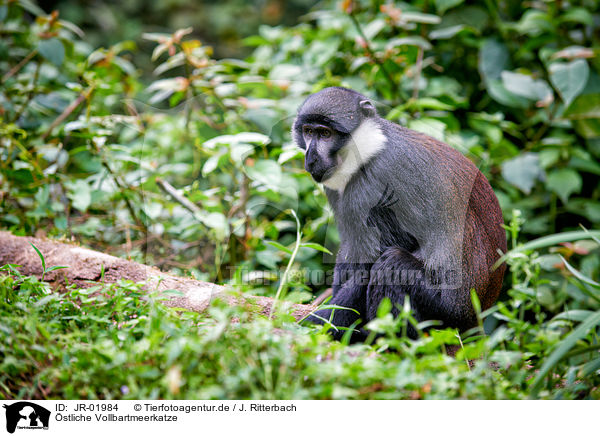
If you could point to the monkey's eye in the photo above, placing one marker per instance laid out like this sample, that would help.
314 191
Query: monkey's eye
324 133
308 131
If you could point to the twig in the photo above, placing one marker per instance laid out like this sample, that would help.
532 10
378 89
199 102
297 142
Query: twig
372 53
457 334
417 77
130 207
322 297
542 130
244 193
169 189
30 93
14 70
68 110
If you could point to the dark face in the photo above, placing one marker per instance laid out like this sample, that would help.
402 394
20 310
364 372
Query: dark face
322 143
324 125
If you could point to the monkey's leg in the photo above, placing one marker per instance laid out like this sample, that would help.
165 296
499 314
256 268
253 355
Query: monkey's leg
387 281
349 293
398 273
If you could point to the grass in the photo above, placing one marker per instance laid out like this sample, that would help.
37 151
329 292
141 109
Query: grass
116 341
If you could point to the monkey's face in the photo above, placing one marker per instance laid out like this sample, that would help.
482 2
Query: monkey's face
339 130
322 144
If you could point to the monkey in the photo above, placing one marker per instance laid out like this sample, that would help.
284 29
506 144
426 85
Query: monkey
415 217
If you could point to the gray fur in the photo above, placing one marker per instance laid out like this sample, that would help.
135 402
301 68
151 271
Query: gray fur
403 202
431 205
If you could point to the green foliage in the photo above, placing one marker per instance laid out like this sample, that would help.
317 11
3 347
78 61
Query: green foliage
77 345
194 171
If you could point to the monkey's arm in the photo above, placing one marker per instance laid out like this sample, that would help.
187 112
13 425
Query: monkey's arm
349 295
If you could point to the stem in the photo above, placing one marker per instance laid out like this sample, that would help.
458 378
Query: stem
463 347
415 93
553 212
14 70
283 281
30 93
190 97
169 189
372 55
68 110
128 203
542 130
492 8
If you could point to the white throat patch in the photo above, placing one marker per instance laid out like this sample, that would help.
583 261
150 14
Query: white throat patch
365 142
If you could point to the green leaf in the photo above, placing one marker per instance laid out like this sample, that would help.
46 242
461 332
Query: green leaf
289 154
564 346
72 27
522 171
535 22
569 79
240 151
573 315
286 72
316 246
279 246
53 268
564 182
211 164
408 40
372 29
475 302
549 241
580 276
469 16
443 5
268 258
216 221
446 32
584 106
80 194
592 211
126 66
525 86
590 367
429 126
549 157
171 62
267 172
502 95
3 12
41 256
587 164
243 137
588 128
493 59
578 15
430 103
30 6
419 17
52 50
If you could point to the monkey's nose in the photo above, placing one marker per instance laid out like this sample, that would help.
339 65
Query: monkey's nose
315 169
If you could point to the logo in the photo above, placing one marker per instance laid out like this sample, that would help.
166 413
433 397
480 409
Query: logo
26 415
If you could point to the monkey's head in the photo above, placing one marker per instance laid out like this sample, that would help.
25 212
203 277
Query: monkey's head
327 123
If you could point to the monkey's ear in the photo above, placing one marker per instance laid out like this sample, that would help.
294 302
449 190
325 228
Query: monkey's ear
367 108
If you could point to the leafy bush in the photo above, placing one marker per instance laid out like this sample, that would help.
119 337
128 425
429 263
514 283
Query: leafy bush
77 344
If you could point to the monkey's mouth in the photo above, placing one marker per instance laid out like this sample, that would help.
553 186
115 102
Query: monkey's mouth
322 176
